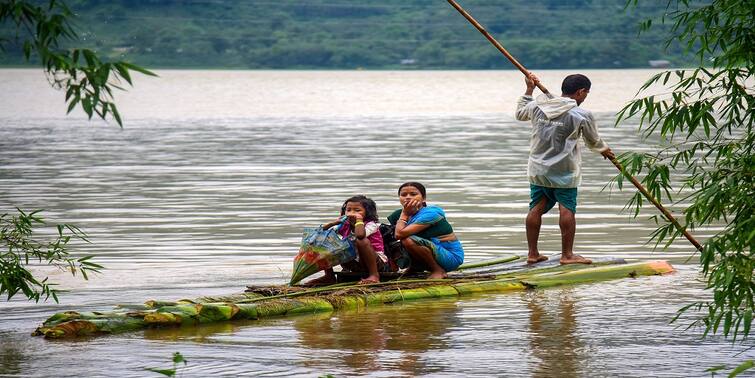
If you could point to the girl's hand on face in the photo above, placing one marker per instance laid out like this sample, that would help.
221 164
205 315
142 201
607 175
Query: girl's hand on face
354 211
356 217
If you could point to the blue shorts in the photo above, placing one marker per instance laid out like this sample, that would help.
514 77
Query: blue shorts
567 197
449 255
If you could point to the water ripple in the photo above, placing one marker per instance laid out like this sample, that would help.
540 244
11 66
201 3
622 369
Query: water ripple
205 206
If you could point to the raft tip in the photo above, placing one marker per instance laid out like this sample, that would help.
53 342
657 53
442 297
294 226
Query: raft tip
661 266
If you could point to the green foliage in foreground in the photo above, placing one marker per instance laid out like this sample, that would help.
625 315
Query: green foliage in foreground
747 365
349 34
87 80
19 247
705 123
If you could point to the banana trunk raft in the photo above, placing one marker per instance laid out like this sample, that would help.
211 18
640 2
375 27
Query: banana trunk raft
266 302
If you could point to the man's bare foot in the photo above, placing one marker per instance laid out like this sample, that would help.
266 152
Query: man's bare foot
574 259
369 280
535 260
322 281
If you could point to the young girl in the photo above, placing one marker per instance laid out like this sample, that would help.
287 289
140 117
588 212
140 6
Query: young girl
361 225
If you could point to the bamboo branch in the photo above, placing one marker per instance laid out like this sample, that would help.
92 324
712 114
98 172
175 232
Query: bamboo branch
658 205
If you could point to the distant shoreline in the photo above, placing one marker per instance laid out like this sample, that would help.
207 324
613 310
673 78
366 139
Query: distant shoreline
395 69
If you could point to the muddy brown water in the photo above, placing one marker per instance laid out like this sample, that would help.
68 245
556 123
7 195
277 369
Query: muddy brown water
207 188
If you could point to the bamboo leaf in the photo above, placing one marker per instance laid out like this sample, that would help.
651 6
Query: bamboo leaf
123 71
747 365
136 68
116 115
178 358
727 322
86 104
716 368
747 318
72 104
165 372
90 57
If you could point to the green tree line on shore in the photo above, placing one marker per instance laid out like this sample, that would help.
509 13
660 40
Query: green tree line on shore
353 34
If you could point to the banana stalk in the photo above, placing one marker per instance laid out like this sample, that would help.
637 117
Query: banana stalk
253 306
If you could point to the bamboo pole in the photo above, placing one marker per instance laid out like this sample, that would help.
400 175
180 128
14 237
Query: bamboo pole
495 43
615 162
657 204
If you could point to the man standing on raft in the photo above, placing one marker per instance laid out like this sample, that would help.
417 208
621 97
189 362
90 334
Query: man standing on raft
554 163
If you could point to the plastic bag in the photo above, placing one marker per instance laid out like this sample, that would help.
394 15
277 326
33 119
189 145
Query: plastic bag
321 249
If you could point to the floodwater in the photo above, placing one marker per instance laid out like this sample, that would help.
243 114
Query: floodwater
208 185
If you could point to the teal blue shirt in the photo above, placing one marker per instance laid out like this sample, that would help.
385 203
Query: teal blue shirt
431 215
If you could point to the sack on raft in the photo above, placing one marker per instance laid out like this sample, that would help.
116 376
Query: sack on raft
321 249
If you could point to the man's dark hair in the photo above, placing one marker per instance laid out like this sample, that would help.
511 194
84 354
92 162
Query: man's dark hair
573 83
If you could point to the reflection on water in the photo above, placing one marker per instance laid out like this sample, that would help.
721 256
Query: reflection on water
362 336
199 333
11 358
552 330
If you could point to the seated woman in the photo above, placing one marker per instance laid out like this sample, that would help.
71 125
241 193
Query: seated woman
425 233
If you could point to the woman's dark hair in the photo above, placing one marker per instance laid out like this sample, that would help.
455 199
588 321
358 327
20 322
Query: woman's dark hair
415 184
370 208
573 83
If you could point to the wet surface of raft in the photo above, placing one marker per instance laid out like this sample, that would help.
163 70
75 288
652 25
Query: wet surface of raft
271 301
